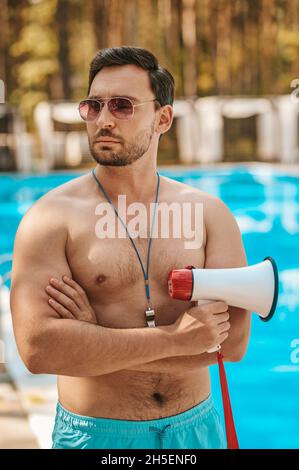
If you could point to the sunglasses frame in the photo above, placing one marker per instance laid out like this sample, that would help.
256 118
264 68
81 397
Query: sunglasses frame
102 102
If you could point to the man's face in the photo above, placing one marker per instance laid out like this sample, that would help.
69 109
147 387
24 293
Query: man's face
134 135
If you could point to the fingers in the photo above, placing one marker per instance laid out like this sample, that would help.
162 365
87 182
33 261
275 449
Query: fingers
74 285
222 337
224 326
62 311
215 308
67 290
222 317
63 299
218 307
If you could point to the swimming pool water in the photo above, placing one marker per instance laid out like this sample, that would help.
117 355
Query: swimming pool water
264 386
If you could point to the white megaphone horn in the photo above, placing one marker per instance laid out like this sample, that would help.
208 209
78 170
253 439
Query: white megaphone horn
252 288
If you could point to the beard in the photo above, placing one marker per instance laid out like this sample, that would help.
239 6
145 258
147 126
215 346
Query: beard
127 154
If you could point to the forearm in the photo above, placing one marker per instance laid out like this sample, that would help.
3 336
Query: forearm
178 364
232 349
81 349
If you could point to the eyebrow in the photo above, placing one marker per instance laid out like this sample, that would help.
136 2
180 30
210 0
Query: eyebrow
94 97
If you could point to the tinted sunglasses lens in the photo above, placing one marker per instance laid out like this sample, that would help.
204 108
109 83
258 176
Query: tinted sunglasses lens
89 110
121 108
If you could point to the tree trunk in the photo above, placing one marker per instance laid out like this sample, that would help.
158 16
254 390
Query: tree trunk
62 16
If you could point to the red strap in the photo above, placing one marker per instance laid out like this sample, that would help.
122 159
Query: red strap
231 435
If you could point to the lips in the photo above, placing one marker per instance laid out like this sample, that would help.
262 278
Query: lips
108 141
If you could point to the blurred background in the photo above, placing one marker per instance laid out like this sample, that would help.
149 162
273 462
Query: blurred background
235 134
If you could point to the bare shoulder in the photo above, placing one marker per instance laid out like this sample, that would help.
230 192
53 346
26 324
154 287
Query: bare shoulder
49 213
64 195
73 189
215 212
187 192
223 238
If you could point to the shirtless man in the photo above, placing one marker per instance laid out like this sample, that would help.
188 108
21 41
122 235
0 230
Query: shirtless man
122 384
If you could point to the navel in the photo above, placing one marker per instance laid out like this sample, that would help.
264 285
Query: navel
160 399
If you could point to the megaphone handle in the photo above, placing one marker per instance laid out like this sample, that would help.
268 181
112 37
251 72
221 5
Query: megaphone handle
217 347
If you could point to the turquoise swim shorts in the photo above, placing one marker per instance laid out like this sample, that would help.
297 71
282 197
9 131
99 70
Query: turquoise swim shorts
197 428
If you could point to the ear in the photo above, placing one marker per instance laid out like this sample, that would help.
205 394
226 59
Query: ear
164 119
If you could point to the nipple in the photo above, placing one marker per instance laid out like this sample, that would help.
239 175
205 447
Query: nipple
101 278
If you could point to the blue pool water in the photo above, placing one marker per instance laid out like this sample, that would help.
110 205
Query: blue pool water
264 387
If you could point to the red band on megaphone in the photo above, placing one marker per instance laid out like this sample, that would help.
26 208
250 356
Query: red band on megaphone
180 283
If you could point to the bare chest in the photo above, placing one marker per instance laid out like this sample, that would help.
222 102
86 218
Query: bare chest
109 270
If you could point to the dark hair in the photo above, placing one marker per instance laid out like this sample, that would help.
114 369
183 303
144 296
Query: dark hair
161 81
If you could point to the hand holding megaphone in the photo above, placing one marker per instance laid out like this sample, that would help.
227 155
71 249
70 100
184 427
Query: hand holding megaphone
253 288
218 346
201 327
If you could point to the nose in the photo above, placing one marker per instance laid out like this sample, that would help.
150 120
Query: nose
105 118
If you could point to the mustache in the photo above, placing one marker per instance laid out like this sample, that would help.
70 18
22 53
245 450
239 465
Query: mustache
106 133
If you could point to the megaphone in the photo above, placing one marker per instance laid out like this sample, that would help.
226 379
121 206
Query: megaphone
253 288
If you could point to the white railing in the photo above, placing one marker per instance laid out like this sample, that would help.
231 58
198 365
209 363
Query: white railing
199 128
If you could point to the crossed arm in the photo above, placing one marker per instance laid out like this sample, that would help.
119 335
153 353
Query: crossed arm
50 343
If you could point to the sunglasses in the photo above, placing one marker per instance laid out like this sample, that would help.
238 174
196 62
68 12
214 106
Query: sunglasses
120 107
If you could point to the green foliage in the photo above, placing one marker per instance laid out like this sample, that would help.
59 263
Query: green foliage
33 53
210 46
